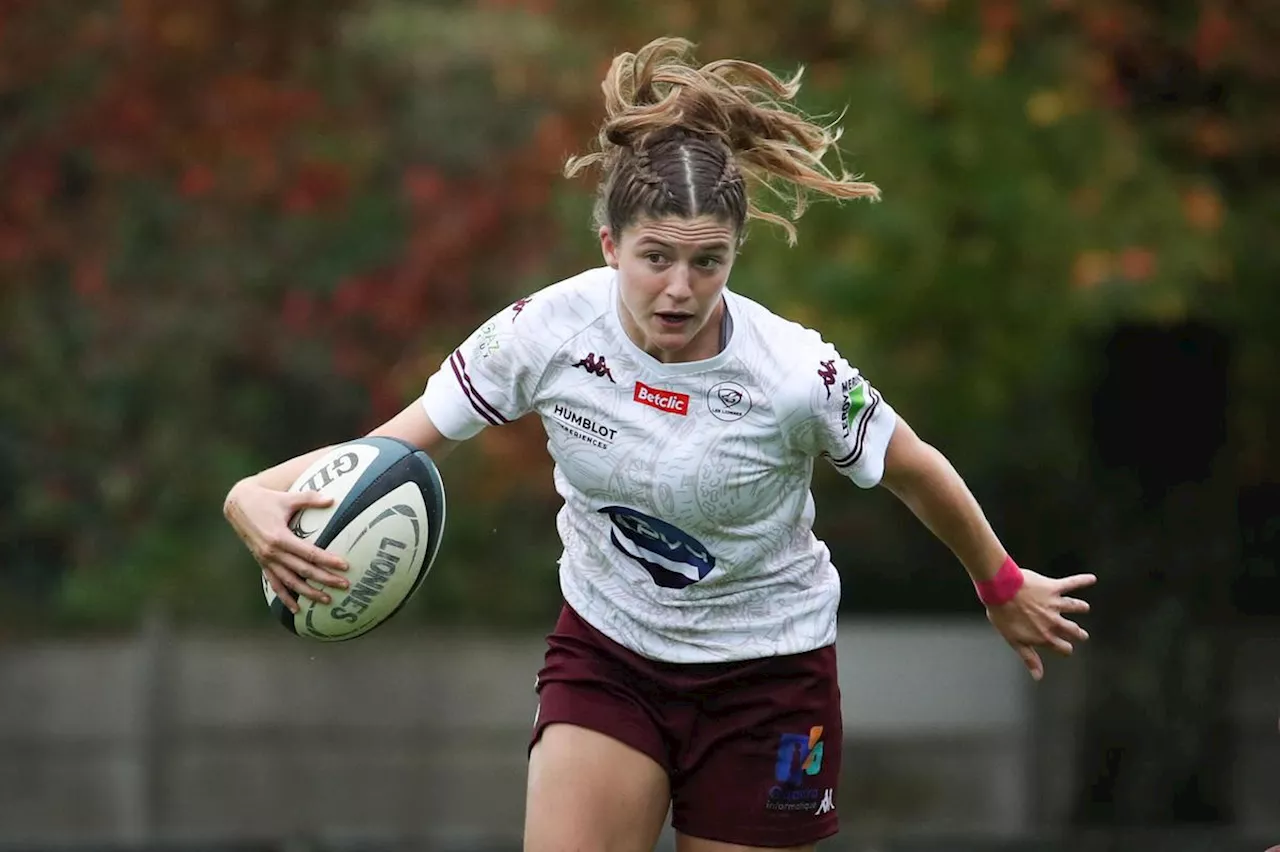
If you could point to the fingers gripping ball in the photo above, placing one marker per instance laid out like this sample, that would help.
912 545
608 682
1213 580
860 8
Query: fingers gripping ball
386 521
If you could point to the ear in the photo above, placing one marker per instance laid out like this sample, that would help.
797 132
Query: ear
608 247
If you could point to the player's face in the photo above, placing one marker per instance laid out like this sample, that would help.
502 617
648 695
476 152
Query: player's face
671 273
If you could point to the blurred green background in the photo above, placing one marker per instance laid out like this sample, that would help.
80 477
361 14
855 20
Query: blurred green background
234 231
231 232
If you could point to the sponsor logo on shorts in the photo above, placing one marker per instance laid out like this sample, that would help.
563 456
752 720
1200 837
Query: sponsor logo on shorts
728 401
799 758
668 402
584 428
799 755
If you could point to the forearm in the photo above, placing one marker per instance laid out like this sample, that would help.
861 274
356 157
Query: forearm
934 491
277 478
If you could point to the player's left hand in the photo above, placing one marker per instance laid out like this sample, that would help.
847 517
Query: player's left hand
1036 617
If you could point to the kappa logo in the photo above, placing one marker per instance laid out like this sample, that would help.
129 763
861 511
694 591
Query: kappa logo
666 401
827 372
596 366
828 802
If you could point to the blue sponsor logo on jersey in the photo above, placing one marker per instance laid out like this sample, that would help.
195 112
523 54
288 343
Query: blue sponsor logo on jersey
672 557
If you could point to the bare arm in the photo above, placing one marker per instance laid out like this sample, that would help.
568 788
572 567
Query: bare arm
929 485
924 480
259 507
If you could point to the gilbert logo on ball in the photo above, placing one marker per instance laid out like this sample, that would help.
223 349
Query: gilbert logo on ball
386 520
324 478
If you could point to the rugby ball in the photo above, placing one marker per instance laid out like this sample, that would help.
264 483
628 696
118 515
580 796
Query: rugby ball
386 521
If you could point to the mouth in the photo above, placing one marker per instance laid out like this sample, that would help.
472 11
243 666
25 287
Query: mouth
673 319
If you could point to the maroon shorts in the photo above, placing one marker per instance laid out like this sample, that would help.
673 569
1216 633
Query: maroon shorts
752 748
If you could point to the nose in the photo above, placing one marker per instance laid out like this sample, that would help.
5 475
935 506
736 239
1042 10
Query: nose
678 287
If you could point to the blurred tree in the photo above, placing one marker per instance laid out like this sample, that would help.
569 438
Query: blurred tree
1199 79
1161 532
1022 213
223 231
233 232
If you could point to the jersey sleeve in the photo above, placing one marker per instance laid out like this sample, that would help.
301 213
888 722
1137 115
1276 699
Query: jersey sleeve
843 418
491 378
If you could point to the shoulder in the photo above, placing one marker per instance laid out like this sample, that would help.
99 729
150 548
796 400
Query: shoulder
567 305
546 319
793 352
802 371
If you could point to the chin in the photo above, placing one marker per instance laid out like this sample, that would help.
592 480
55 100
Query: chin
670 341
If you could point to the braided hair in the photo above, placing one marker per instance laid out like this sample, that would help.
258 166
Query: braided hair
683 140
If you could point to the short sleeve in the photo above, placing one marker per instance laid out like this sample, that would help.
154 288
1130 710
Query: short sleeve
491 378
843 418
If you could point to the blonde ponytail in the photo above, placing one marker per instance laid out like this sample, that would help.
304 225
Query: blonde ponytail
679 139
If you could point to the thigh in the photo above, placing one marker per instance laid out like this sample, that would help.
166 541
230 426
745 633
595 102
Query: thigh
761 767
589 792
685 843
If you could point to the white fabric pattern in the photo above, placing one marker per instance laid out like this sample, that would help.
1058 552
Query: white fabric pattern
687 523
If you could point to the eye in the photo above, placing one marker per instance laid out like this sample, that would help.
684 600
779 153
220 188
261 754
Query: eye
656 258
709 263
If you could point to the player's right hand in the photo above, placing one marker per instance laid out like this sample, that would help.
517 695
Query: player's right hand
260 516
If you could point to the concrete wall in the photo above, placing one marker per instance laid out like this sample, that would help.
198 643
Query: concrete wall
407 734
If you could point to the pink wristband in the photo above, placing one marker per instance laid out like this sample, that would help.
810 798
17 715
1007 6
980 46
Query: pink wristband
1001 588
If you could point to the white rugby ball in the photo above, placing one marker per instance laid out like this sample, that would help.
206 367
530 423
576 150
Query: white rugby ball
386 521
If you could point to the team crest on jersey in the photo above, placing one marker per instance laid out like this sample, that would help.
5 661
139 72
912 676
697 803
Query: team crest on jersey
729 401
673 558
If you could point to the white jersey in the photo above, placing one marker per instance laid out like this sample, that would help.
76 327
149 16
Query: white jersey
687 518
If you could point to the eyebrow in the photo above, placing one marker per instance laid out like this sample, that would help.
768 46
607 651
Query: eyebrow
719 245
